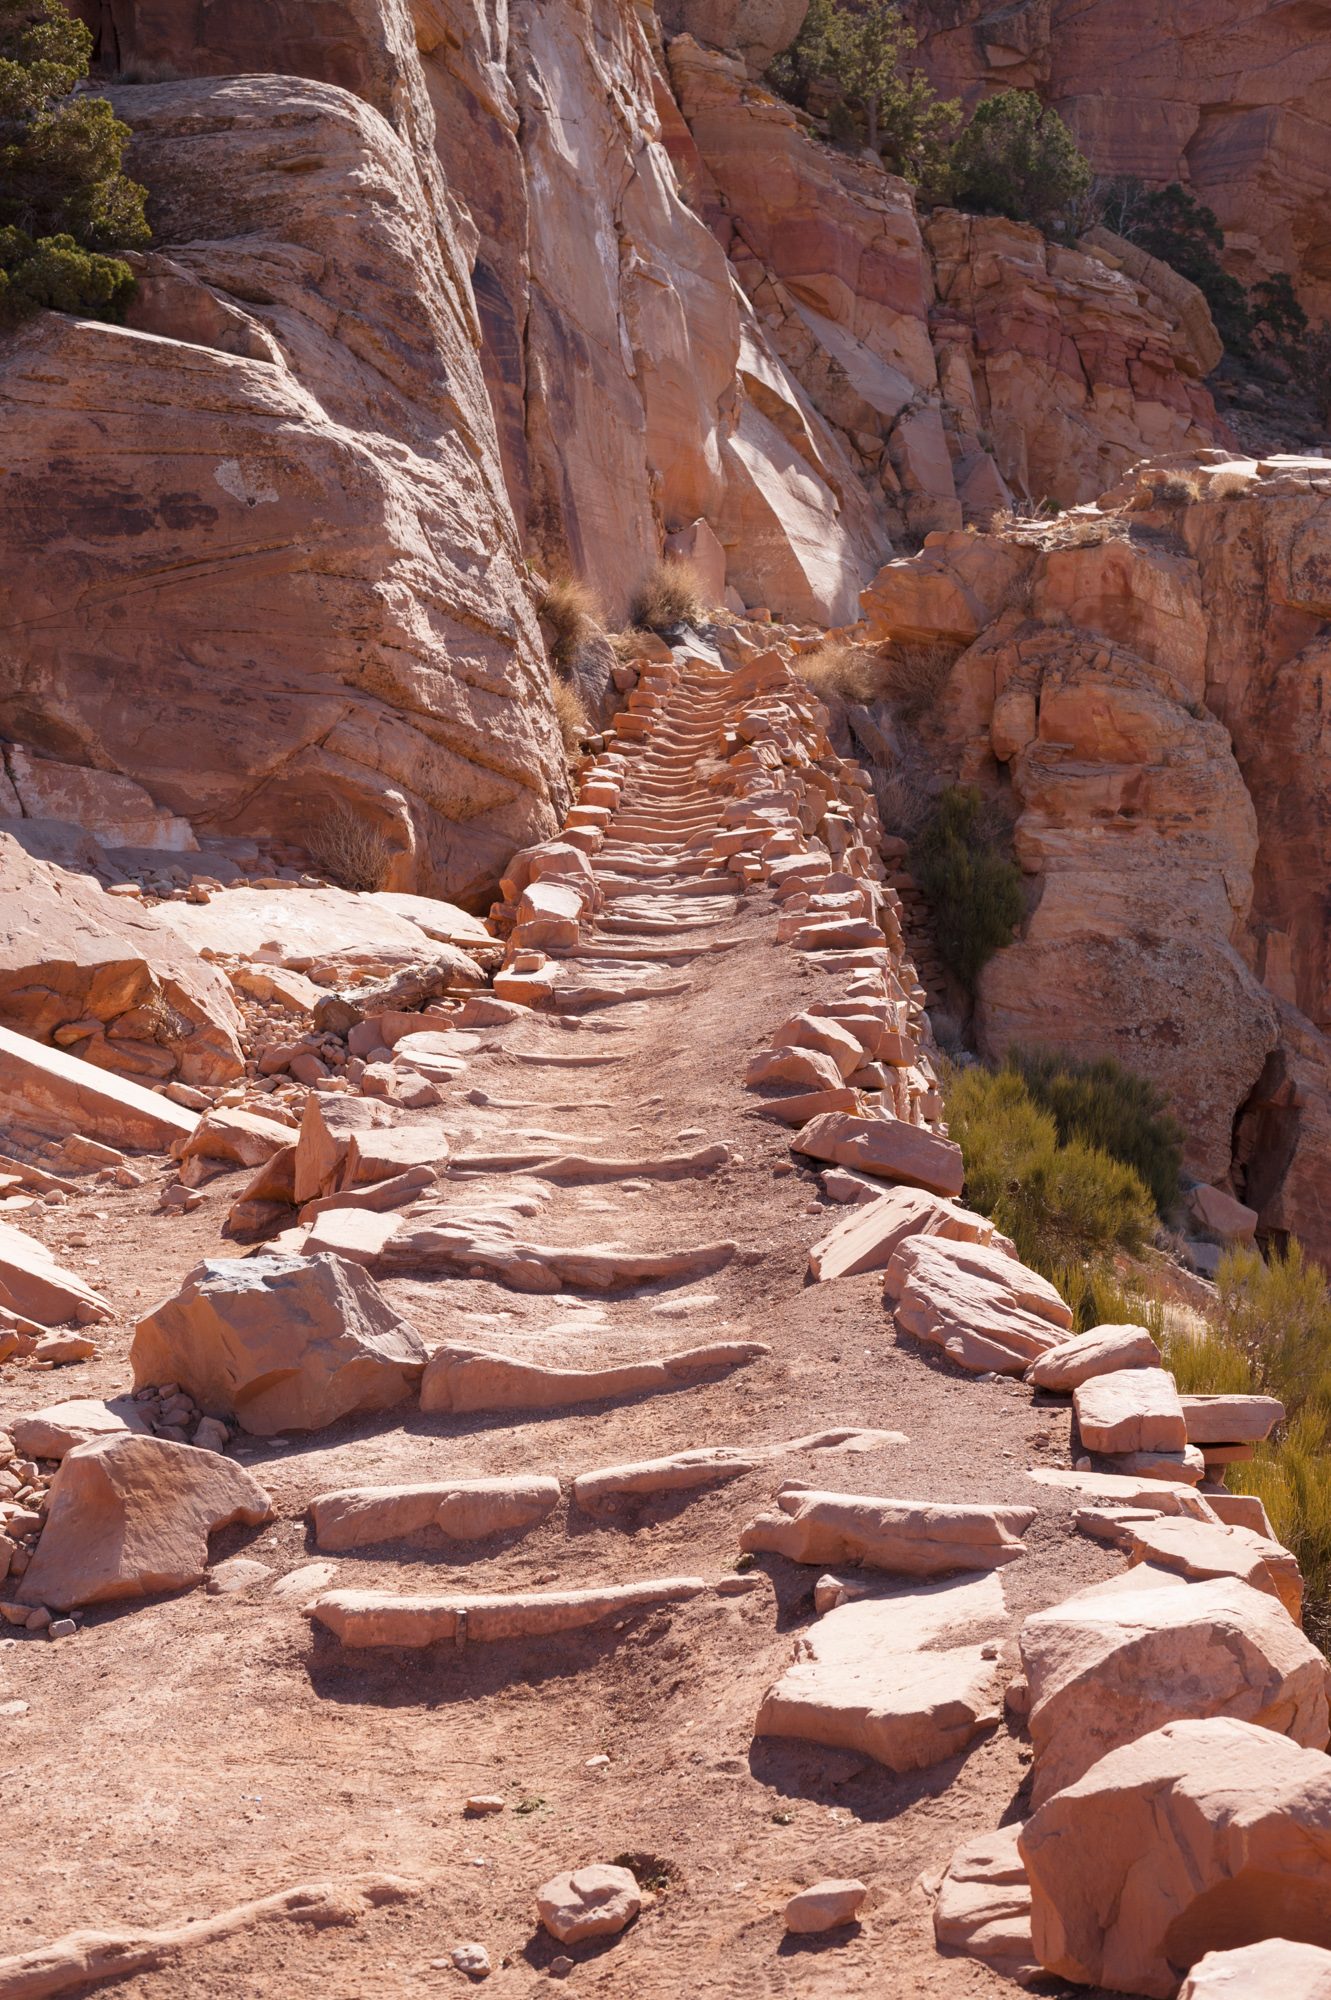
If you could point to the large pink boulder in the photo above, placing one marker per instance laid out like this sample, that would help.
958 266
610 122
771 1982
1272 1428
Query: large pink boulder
1199 1837
280 1343
132 1515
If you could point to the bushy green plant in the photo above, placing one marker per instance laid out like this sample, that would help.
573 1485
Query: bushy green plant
1108 1107
1018 158
1060 1204
861 52
1279 323
972 887
1171 224
64 201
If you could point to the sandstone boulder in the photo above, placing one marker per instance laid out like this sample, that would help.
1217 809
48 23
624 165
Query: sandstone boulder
884 1146
1104 1350
1276 1969
912 1537
1105 1669
1221 1216
280 1343
131 1515
872 1233
1130 1410
466 1378
983 1905
1204 1549
824 1907
985 1309
1236 1823
1230 1419
592 1902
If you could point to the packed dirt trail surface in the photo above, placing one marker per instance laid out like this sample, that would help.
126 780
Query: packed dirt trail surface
190 1754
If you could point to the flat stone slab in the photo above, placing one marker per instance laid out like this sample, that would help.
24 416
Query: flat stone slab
384 1618
605 1491
36 1287
462 1379
57 1093
868 1238
298 927
887 1147
463 1509
1200 1549
906 1679
1120 1489
1103 1351
1132 1410
1231 1419
52 1432
912 1537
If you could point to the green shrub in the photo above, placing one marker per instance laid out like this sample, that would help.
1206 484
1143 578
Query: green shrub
63 200
1174 226
972 888
1108 1107
861 53
1279 323
1292 1479
1060 1204
1018 158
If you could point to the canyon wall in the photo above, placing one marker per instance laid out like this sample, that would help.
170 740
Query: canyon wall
1231 99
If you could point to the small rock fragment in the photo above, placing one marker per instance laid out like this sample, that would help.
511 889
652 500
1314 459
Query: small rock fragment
824 1907
597 1901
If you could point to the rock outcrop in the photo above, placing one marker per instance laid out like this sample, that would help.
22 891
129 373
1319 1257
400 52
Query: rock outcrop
1144 682
1238 111
307 593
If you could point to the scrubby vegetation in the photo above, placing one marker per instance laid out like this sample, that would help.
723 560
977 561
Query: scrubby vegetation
914 675
856 59
1270 1335
668 596
851 673
1018 158
64 201
1110 1108
568 610
971 885
349 849
1061 1202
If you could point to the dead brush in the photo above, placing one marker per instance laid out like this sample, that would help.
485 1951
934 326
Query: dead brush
349 850
568 610
915 673
1168 489
573 719
669 595
903 795
839 669
1231 485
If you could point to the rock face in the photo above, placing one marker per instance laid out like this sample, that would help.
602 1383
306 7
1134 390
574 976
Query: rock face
1239 114
1148 679
106 979
322 568
1237 1824
961 361
131 1515
1273 1970
280 1342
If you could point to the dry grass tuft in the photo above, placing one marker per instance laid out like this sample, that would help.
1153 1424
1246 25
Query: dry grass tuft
903 797
668 595
573 719
568 609
916 673
851 673
1230 485
349 850
1169 489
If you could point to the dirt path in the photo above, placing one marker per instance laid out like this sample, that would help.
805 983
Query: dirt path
182 1756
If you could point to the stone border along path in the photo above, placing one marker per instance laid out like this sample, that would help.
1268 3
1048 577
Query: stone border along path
718 776
723 772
